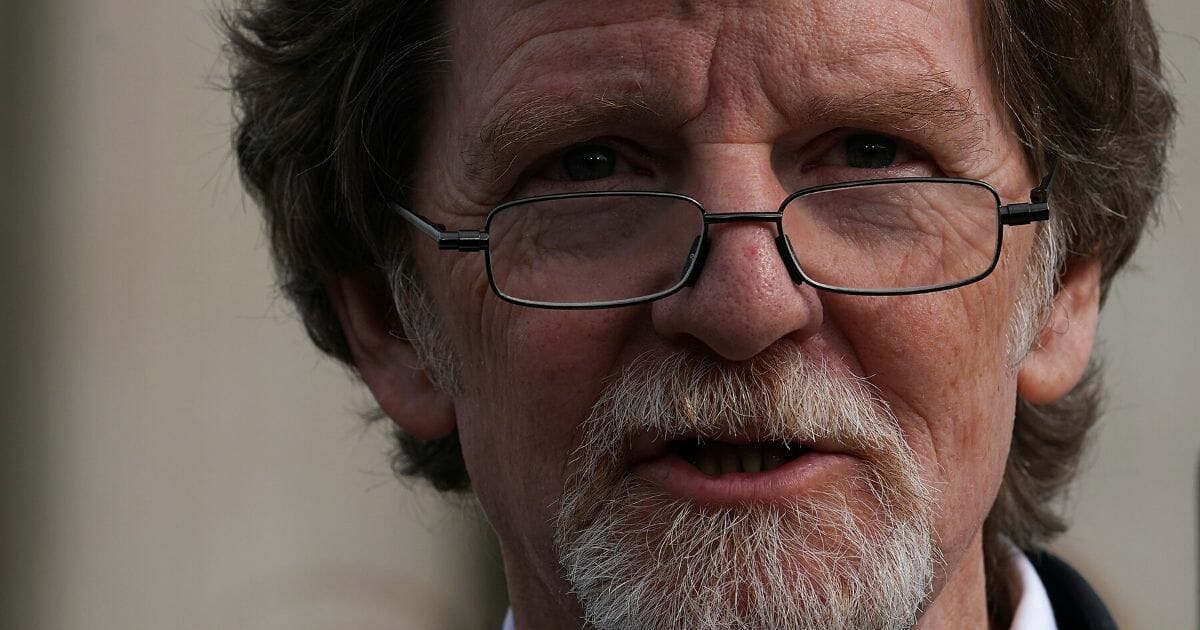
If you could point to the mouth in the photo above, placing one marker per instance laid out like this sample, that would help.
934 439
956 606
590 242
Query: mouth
716 457
730 470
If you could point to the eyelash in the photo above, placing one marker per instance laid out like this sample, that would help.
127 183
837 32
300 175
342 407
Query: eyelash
828 162
812 163
630 160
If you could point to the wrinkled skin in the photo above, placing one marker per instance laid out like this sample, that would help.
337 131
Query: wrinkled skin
734 104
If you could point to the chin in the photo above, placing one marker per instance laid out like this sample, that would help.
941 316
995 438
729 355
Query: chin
645 559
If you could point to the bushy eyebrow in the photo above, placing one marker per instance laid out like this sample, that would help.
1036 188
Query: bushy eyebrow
539 118
928 104
924 103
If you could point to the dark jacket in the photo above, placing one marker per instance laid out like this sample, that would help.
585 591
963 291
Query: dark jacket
1076 606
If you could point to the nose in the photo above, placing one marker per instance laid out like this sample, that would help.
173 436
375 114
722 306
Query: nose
744 300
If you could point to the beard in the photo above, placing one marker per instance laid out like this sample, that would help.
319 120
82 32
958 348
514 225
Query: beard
858 553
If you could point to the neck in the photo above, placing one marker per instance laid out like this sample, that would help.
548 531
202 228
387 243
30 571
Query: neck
961 601
538 602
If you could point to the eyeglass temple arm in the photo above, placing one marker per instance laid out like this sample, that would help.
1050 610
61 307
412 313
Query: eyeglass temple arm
1038 208
463 241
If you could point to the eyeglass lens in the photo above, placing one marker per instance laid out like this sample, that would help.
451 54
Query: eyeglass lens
592 249
894 236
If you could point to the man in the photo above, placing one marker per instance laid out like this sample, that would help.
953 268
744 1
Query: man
732 315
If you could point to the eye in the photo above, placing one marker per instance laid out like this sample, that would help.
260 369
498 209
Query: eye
607 163
869 151
589 162
853 154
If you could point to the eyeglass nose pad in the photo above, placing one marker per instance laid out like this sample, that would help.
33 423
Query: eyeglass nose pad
789 258
695 260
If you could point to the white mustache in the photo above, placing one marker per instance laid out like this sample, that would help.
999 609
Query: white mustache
780 396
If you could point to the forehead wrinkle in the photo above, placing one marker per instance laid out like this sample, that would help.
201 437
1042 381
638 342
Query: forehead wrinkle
539 117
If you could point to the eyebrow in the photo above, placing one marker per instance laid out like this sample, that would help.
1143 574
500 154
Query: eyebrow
924 105
539 119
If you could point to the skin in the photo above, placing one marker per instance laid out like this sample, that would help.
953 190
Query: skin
724 113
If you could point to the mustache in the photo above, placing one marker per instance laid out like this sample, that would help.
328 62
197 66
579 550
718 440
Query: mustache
781 395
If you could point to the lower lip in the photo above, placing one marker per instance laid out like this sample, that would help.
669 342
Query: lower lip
799 476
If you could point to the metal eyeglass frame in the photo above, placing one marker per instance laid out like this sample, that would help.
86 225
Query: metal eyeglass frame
1037 209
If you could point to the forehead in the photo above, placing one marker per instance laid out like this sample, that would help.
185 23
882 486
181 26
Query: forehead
780 46
710 72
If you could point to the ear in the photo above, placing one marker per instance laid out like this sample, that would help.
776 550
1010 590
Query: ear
1064 345
386 361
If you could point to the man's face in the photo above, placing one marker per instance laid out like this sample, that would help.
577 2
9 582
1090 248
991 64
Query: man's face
736 105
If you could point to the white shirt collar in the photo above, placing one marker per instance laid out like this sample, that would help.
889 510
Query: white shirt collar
1033 611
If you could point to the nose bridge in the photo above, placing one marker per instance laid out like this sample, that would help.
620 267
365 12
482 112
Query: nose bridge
741 304
782 246
740 191
734 176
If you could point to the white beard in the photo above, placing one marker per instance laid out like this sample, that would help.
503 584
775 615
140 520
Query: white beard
856 555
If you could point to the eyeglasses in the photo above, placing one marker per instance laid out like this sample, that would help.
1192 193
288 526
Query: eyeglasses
618 248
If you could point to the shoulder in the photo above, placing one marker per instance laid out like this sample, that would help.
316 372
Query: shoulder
1075 603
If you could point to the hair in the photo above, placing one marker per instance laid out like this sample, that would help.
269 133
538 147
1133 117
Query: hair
331 97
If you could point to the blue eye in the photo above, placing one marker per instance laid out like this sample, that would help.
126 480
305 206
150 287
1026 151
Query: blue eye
870 151
589 162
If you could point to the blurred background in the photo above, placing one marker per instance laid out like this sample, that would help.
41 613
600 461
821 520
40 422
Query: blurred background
175 454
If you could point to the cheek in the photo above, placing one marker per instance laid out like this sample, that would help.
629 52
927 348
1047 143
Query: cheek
940 360
530 379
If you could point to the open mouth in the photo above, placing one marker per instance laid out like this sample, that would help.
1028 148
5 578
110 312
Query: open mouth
734 468
715 457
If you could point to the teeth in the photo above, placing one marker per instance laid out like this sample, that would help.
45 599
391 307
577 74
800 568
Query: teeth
707 461
774 458
720 458
751 457
728 456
